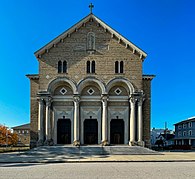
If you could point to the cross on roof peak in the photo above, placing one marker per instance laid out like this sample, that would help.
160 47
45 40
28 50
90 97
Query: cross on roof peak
91 6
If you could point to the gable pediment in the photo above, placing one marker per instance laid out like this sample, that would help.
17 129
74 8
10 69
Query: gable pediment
91 17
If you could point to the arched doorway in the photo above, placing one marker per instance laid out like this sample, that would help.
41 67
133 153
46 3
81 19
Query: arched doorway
90 131
117 131
64 131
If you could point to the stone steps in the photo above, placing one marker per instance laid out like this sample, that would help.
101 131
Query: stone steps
93 150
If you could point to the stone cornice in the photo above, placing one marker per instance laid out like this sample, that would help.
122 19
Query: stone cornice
32 76
60 39
148 77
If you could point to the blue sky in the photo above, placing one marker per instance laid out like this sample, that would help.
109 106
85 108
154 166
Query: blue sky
165 29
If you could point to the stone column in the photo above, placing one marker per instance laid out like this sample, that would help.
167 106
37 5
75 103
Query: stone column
140 122
104 120
190 142
76 141
40 122
132 121
48 122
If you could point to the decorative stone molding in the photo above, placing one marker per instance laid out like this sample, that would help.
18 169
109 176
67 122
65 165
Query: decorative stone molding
127 84
55 82
88 80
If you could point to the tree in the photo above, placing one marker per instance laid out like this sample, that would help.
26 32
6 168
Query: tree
6 137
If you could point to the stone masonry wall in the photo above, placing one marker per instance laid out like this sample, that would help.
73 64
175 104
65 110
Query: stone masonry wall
147 111
34 83
73 50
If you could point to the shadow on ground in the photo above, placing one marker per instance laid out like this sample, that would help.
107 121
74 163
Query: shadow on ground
59 154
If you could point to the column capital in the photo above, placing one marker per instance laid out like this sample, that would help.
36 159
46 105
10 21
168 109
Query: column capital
40 100
132 99
141 99
104 97
137 97
48 101
76 98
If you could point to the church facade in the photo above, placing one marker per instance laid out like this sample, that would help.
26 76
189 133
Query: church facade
90 89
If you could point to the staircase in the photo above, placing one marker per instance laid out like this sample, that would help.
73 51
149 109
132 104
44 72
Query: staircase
93 150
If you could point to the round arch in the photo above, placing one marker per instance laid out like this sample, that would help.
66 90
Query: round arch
87 81
115 81
53 84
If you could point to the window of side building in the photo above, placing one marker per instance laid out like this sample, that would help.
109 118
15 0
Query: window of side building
190 124
184 133
179 133
179 126
184 126
190 132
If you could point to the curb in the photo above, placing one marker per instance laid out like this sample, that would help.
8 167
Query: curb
97 161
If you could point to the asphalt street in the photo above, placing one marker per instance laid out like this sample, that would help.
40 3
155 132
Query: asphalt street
149 170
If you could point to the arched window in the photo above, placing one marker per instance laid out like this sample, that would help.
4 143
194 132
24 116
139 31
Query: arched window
121 67
93 67
91 41
116 67
64 67
88 66
59 67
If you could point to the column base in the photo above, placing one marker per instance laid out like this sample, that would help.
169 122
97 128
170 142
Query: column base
105 143
132 143
40 142
76 143
48 142
141 143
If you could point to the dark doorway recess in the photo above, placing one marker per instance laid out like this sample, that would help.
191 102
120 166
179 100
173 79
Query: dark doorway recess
117 131
90 131
64 131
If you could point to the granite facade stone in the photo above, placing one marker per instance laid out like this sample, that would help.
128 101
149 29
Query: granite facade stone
73 49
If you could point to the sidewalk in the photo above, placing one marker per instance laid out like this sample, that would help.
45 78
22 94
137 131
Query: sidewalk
24 157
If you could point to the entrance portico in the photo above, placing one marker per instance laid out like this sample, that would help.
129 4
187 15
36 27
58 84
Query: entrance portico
89 116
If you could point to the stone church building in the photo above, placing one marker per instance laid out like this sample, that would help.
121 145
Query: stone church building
90 89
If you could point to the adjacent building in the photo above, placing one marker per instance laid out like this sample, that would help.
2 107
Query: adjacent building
23 132
90 89
165 140
185 132
154 135
162 137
